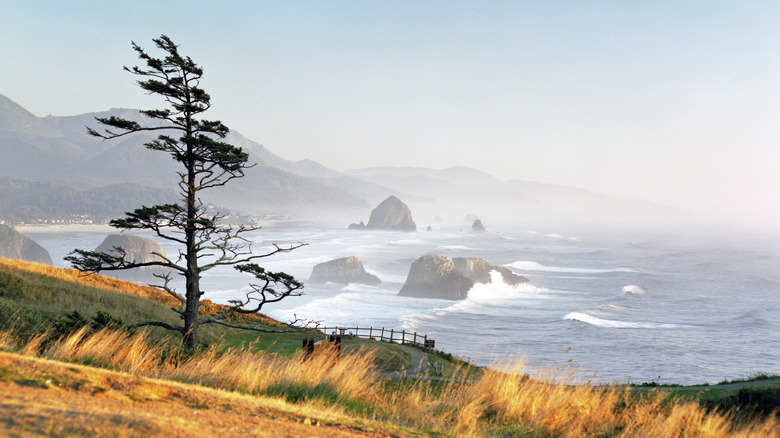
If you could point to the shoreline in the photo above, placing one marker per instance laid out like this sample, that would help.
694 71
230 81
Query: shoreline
63 228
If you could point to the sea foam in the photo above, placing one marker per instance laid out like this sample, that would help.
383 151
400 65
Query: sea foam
534 266
608 323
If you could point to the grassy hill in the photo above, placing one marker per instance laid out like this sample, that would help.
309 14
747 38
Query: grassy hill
106 381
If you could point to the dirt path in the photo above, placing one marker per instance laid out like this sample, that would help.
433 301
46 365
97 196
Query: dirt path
419 360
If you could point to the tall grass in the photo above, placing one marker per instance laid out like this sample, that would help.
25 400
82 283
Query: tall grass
493 404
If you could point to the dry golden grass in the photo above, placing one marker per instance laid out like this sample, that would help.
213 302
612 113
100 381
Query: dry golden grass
96 281
40 397
494 404
123 287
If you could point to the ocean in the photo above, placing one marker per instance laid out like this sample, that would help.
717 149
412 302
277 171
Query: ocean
673 305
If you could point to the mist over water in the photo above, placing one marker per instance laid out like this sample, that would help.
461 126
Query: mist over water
673 305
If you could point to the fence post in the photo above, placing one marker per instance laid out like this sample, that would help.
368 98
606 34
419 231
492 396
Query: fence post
403 337
391 335
382 336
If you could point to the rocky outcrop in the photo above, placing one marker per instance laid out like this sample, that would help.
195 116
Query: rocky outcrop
15 245
360 226
391 214
435 276
137 249
343 271
478 270
477 226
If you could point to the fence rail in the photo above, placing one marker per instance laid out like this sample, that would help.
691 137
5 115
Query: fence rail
381 334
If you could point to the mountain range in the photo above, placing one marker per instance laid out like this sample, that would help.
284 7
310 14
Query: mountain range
51 168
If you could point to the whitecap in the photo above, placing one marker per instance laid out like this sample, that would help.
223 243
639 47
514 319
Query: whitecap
610 307
534 266
608 323
494 296
633 289
455 247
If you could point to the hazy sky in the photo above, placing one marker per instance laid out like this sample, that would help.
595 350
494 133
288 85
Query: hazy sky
675 102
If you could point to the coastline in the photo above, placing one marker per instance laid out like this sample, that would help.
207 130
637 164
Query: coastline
64 228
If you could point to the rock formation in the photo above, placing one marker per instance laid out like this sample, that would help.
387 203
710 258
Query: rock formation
343 271
137 249
477 226
435 276
14 245
360 226
391 214
478 270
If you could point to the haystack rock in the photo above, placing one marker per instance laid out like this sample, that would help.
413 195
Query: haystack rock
477 226
343 271
478 271
435 276
15 245
391 214
137 249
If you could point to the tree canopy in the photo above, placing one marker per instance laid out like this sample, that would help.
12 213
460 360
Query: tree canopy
205 162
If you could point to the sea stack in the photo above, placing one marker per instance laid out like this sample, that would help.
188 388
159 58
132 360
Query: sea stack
137 249
391 214
435 276
345 270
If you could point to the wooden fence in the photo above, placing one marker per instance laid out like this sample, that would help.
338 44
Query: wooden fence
381 334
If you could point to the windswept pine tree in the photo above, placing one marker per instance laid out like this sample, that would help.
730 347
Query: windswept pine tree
205 162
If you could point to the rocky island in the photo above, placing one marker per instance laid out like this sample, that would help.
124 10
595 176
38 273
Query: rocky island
137 249
435 276
390 214
345 270
438 276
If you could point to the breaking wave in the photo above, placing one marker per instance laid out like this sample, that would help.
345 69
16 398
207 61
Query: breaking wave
534 266
633 289
608 323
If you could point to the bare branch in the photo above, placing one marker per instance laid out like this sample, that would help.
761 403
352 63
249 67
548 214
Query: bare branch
211 320
158 324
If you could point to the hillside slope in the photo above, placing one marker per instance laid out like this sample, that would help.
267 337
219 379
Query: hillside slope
40 397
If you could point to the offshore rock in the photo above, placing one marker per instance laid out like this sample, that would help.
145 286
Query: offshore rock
15 245
360 226
477 226
345 270
478 270
391 214
137 249
435 276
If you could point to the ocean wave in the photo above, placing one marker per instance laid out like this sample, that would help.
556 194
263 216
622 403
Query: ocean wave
455 247
494 296
633 289
610 307
352 308
534 266
559 236
608 323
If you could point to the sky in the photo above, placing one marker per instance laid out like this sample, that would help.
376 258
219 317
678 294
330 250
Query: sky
676 102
